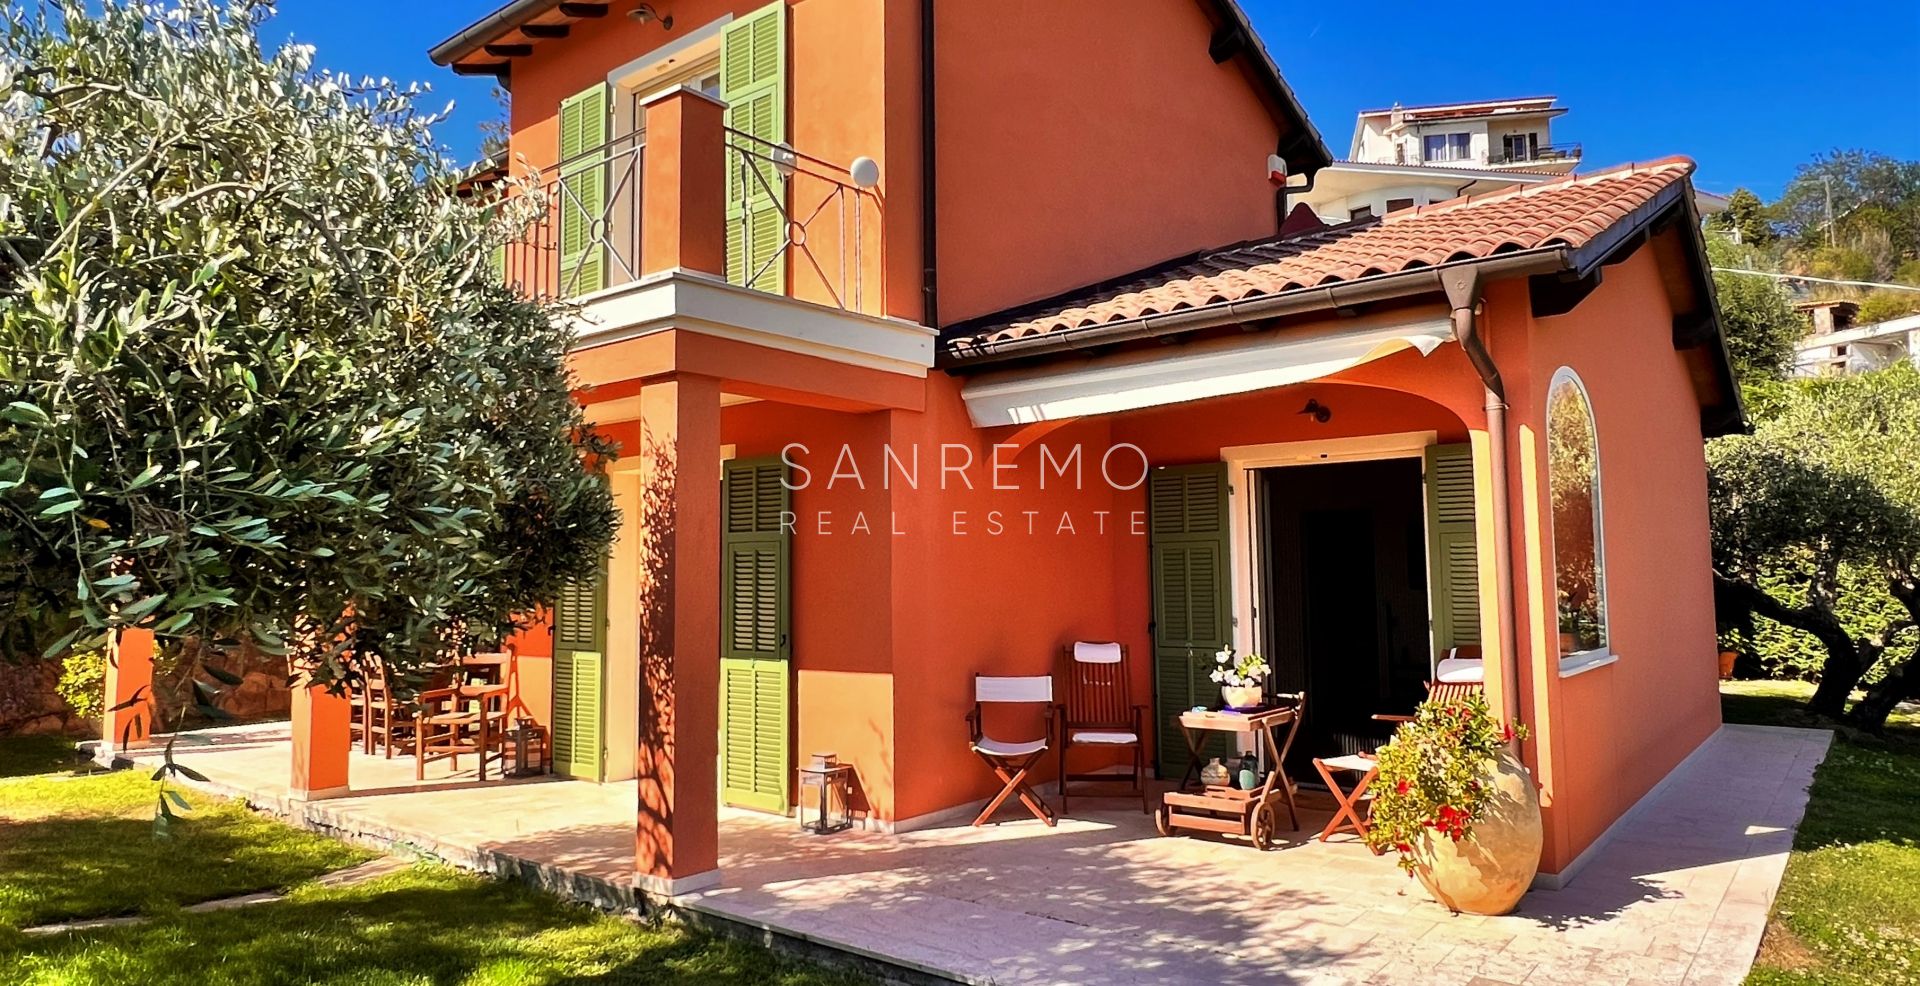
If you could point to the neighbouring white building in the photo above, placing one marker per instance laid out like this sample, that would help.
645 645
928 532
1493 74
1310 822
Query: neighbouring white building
1407 156
1495 133
1836 345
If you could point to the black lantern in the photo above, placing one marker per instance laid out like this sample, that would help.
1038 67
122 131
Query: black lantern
826 785
529 742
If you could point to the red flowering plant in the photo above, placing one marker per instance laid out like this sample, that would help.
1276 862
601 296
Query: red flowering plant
1432 781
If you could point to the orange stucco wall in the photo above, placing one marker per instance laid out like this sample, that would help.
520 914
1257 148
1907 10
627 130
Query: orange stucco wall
1615 731
531 675
843 666
1066 133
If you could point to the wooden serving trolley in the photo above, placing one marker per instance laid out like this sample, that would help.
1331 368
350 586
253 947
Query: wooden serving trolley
1254 814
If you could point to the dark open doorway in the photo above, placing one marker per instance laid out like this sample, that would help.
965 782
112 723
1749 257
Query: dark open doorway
1345 616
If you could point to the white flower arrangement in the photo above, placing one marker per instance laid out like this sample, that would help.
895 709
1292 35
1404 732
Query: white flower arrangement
1245 671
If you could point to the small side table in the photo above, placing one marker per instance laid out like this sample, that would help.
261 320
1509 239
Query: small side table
1348 816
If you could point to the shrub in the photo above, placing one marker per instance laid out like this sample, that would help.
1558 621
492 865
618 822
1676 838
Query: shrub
1430 775
1885 306
83 683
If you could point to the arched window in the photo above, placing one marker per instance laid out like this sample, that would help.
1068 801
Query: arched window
1579 555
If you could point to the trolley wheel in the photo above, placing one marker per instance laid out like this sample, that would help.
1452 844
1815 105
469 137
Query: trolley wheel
1265 822
1162 823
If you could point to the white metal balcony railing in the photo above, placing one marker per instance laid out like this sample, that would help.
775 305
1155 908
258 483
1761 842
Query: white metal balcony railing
797 225
1534 154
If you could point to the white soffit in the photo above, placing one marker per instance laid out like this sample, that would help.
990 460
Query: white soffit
702 303
1215 368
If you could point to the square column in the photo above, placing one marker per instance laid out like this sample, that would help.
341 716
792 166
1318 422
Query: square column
677 830
322 741
683 221
129 723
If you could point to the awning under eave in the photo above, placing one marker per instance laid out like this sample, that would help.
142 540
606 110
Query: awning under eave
1214 368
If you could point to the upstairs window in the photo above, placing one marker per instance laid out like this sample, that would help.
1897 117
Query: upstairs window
1395 205
1573 481
1446 147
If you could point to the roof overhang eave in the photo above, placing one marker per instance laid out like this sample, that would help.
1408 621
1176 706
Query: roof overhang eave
476 35
1307 139
1324 297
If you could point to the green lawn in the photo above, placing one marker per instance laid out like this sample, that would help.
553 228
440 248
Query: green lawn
1849 906
27 755
83 847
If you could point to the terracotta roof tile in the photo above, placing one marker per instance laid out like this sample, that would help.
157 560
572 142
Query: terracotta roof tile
1571 211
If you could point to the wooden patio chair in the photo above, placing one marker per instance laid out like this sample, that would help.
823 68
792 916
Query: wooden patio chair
1011 761
457 720
1097 712
386 721
1439 691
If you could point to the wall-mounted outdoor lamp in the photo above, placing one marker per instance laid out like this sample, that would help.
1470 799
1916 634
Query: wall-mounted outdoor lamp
645 14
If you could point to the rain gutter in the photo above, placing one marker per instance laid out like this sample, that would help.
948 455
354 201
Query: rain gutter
487 28
1380 287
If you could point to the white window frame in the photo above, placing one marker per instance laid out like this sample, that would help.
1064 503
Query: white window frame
1586 660
684 61
1447 141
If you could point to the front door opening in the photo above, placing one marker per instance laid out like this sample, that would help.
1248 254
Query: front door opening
1345 608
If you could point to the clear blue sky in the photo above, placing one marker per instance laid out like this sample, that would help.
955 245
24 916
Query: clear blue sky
1749 89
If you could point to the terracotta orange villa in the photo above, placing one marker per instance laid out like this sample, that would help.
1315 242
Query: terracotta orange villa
940 336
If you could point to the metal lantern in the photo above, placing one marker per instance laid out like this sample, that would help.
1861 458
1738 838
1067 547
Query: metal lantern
529 742
826 786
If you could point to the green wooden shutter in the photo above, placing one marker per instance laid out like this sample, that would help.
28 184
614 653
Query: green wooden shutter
1192 612
753 82
755 666
1453 556
582 192
579 679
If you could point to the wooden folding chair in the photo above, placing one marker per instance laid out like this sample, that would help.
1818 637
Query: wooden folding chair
1097 712
1351 807
1011 761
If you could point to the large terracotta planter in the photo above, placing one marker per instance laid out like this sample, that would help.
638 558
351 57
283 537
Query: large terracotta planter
1488 871
1727 660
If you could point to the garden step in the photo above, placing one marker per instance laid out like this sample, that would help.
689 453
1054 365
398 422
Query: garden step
370 870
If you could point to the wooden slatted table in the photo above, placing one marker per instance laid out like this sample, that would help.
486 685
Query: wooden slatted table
1254 814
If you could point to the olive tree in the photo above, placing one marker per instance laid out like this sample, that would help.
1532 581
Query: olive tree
1816 525
258 379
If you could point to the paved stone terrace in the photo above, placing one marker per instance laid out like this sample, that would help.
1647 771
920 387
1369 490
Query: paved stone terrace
1679 895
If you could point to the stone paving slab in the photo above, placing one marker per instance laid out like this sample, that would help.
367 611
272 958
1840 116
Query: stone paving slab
1680 894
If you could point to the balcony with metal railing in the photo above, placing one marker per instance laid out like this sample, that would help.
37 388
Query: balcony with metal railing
794 224
687 223
1517 155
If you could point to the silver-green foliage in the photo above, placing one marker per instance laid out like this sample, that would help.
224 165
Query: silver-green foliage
1816 527
256 376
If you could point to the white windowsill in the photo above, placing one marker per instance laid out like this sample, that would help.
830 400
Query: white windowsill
1586 661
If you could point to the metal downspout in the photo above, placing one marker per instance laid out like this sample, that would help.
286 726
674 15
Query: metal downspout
929 227
1463 295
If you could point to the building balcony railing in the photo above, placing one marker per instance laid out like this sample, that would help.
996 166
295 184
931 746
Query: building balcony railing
791 224
1542 154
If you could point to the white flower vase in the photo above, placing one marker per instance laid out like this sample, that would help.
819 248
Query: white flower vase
1242 696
